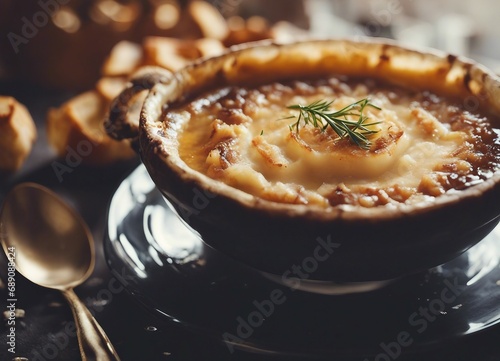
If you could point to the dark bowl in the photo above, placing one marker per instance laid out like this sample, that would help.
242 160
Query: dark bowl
336 244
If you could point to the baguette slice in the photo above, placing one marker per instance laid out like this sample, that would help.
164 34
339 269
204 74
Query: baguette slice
17 134
77 127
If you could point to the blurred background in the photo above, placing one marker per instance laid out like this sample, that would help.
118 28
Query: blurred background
63 43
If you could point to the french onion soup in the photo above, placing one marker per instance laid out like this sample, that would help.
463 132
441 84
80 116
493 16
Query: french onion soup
337 141
389 151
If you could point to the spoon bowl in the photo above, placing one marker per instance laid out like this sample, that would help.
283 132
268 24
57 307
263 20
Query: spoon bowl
50 238
55 249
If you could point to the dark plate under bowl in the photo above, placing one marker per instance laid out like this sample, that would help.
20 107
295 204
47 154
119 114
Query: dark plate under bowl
168 268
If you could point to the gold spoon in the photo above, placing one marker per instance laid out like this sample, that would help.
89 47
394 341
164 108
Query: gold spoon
55 249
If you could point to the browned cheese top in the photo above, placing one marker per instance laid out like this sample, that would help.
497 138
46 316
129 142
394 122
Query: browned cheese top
425 146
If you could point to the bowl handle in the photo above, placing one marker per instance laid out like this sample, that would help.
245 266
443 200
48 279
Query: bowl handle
120 124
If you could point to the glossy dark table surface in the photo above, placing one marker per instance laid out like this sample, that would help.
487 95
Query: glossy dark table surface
46 330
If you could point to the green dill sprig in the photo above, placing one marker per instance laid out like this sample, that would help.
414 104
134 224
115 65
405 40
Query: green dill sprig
348 122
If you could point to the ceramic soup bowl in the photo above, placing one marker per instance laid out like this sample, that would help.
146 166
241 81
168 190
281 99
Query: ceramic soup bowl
304 201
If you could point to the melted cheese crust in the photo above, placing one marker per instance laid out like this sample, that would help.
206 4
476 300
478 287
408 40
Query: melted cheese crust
425 145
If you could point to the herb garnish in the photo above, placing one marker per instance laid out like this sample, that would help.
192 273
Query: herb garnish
319 115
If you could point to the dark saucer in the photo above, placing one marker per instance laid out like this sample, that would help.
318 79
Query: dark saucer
167 268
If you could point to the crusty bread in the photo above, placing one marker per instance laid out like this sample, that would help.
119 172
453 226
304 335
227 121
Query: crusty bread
17 134
77 126
124 58
81 118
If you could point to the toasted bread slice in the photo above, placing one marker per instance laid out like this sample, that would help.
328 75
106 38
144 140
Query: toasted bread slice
209 20
77 126
18 133
110 87
125 57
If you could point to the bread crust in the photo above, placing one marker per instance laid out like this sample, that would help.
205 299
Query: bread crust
18 133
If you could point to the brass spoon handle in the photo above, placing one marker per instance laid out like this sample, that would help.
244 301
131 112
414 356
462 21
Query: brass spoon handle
93 341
